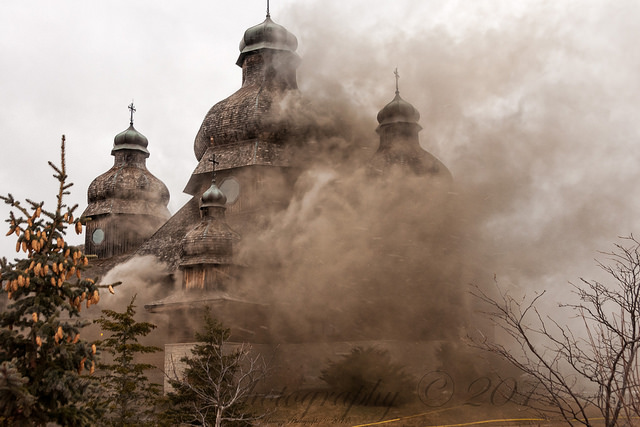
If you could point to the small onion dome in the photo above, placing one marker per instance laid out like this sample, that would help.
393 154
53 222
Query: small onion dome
398 111
213 197
130 139
267 35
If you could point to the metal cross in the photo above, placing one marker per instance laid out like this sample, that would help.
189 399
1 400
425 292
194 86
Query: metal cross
268 15
132 108
395 73
214 162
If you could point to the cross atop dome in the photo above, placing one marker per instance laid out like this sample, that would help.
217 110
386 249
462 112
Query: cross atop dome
398 110
214 162
132 108
130 139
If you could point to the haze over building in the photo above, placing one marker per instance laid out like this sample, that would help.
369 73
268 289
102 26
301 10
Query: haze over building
371 251
531 105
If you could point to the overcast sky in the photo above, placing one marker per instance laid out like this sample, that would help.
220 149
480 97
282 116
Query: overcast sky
533 104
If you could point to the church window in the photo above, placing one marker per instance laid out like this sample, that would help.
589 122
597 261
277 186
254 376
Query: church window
98 236
231 188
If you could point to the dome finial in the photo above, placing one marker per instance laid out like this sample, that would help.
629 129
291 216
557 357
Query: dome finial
268 14
132 108
213 161
397 78
130 139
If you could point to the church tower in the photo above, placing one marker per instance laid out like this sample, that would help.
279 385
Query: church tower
253 139
400 143
127 204
250 132
206 261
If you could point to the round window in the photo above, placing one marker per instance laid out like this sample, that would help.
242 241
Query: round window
98 236
231 188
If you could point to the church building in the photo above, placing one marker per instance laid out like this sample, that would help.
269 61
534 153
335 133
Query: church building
250 153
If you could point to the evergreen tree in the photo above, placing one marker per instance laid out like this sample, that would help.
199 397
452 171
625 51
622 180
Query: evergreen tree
216 381
14 397
371 376
132 397
42 355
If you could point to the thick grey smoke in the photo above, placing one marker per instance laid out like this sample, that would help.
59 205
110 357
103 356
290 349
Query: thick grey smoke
144 276
531 105
531 110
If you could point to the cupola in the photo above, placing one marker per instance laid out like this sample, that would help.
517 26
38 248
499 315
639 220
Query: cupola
269 62
267 35
399 140
207 249
398 111
130 139
127 203
213 197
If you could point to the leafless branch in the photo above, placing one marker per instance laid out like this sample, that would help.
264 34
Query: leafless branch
576 371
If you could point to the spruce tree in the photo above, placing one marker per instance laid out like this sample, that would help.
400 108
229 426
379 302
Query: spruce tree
43 358
132 398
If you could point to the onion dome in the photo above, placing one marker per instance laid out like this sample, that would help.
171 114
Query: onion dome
213 197
400 143
128 189
267 35
130 139
398 111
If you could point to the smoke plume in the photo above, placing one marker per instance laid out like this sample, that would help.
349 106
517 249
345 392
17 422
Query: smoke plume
529 110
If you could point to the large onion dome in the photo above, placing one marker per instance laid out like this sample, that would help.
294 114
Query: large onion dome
128 190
